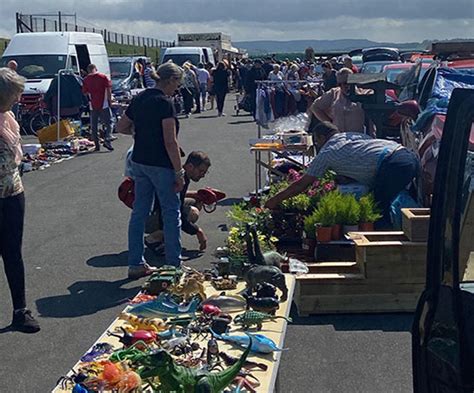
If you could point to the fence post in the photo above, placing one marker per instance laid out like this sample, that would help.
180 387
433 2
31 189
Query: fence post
65 26
128 39
59 21
44 24
76 28
122 37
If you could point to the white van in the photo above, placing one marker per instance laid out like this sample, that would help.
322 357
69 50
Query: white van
41 55
195 55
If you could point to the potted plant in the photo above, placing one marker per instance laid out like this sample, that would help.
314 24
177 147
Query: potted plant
350 212
324 215
309 234
337 201
368 213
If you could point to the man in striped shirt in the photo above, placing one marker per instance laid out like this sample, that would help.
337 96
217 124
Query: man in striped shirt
384 166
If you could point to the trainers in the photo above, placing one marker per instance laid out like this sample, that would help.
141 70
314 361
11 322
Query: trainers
139 271
108 146
24 322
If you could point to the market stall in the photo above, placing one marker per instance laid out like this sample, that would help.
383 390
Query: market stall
182 337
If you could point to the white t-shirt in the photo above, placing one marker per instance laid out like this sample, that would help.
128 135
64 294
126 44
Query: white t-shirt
275 77
202 75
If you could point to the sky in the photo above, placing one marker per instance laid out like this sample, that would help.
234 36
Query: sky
251 20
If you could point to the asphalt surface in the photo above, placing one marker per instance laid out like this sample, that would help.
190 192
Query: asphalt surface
75 251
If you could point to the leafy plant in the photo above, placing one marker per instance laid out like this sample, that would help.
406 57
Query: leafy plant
350 210
325 214
298 203
237 246
310 225
368 209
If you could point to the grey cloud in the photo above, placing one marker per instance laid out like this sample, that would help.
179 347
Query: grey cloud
265 11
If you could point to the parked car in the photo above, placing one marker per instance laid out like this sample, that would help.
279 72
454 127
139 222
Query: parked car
442 332
394 70
373 67
124 75
380 54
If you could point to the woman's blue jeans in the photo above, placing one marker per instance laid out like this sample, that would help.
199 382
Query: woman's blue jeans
151 180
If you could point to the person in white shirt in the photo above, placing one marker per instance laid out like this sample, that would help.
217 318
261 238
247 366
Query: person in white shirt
203 79
276 74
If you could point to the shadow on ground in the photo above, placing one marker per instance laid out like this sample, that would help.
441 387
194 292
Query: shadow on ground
85 298
109 260
387 322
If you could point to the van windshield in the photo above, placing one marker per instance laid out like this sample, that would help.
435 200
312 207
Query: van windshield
37 66
120 69
181 58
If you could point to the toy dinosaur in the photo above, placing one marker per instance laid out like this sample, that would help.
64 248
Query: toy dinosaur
254 251
271 274
260 343
154 324
249 318
230 360
179 379
189 288
159 306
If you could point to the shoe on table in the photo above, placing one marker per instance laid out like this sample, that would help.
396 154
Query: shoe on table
24 322
108 146
139 271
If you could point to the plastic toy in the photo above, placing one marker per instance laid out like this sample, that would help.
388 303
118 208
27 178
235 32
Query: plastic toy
162 279
260 343
181 379
188 289
97 350
269 274
154 324
263 304
159 307
230 360
249 318
227 303
128 339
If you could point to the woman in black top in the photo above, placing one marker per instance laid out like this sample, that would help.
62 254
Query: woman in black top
221 86
156 166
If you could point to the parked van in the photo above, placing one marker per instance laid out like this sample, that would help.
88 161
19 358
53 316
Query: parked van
195 55
41 55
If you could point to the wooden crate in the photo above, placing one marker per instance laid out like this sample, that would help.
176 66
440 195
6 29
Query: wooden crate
416 223
389 256
388 275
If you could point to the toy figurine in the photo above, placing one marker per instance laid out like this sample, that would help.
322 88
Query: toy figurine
159 306
227 303
230 360
189 288
249 318
254 252
270 274
263 304
179 379
260 343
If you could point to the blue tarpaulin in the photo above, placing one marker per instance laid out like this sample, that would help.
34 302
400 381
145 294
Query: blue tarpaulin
447 79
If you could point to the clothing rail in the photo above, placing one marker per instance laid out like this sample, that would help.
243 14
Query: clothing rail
258 154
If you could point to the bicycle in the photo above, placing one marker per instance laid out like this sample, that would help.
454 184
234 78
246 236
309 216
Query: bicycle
32 114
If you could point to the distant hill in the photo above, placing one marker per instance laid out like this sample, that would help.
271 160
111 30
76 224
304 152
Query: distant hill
343 45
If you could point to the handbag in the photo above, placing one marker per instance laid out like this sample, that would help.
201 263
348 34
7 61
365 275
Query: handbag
126 192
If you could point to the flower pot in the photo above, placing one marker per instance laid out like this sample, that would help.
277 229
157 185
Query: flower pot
351 228
308 246
336 232
323 234
366 226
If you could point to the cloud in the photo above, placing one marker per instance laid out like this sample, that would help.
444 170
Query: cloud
380 20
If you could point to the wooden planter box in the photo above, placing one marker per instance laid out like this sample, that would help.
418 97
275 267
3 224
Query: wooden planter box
416 223
388 275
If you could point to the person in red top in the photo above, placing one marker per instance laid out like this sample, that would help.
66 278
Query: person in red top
99 89
348 64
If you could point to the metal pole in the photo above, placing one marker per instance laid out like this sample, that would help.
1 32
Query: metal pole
59 20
